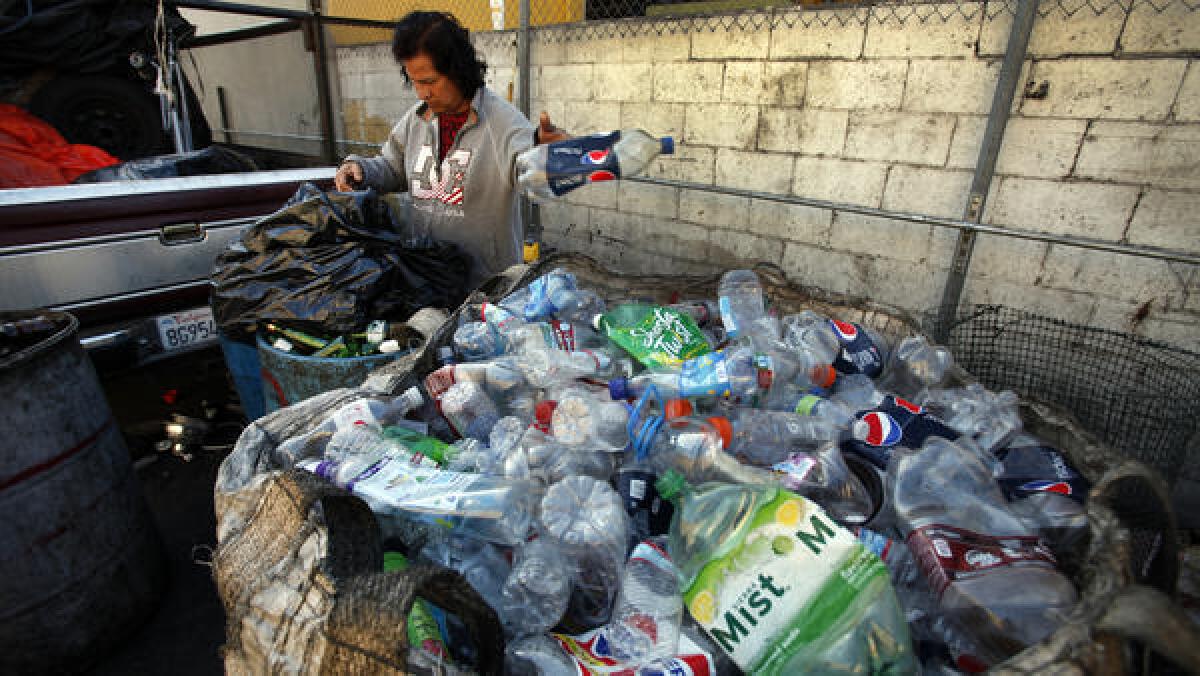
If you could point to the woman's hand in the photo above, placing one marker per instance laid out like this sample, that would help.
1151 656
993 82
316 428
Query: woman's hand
349 177
547 132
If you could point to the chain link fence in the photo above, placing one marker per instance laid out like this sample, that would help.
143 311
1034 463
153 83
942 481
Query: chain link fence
597 19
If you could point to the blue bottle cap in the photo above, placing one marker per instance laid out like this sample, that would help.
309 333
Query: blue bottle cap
668 145
618 389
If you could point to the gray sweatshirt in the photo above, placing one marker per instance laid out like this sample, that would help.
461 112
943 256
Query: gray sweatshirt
471 199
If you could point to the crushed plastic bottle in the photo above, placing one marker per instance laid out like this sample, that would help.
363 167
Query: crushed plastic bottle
779 586
916 366
990 419
535 595
740 297
589 422
550 170
996 584
649 607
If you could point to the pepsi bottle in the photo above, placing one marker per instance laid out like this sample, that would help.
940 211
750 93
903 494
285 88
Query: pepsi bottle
1029 466
894 423
864 350
554 169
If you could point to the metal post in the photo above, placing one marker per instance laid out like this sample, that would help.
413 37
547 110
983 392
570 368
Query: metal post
324 98
530 215
223 103
985 166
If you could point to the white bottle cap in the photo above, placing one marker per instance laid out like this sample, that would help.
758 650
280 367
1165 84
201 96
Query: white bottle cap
390 345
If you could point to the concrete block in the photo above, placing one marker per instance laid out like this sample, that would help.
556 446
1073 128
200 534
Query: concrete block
1167 219
1187 104
656 48
835 271
836 180
859 85
880 237
1106 89
936 192
737 249
383 85
954 86
1174 29
497 49
793 222
648 199
547 49
1034 147
913 288
669 237
928 30
713 209
555 109
802 130
1097 210
563 217
660 119
590 117
624 81
1177 329
691 163
500 78
688 82
1129 278
757 171
786 82
569 83
1057 34
964 146
599 195
1008 259
727 125
595 49
733 43
1066 305
827 34
899 137
352 85
1161 156
744 82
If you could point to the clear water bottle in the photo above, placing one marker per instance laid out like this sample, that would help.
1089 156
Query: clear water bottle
585 517
764 438
377 413
475 341
553 169
694 447
740 296
916 366
821 408
535 595
469 410
647 613
990 419
810 331
589 422
997 587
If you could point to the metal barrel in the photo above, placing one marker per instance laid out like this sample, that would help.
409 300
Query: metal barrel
288 377
81 564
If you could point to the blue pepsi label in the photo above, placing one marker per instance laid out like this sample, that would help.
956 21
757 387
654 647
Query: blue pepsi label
859 352
895 422
579 161
1026 470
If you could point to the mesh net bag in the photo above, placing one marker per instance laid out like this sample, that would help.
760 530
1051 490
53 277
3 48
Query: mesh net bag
1124 575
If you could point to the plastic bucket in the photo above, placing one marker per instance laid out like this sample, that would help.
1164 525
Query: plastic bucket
288 378
81 565
242 360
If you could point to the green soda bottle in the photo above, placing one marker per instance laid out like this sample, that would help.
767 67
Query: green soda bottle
656 336
779 586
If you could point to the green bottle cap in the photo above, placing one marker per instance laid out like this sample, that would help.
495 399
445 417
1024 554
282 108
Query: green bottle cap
670 485
807 403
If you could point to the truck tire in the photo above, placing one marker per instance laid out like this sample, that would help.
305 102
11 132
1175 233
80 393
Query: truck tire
121 116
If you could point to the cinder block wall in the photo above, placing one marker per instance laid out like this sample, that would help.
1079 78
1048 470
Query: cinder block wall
886 114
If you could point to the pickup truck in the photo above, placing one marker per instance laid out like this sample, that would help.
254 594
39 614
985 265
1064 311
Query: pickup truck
131 259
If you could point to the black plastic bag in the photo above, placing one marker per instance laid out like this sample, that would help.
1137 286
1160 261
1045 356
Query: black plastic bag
211 160
331 263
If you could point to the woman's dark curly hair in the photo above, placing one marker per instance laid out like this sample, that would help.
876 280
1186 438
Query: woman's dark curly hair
447 43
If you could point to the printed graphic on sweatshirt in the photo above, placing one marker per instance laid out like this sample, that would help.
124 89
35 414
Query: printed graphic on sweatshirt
446 187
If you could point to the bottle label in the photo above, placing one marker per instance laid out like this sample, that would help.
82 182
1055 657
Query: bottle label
704 376
394 481
1026 470
564 335
582 160
648 512
727 318
655 336
759 607
859 352
793 472
895 422
946 553
879 544
593 656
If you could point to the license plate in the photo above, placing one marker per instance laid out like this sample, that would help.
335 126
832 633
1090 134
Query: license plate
186 329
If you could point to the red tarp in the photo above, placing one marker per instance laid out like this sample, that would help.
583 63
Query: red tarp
32 153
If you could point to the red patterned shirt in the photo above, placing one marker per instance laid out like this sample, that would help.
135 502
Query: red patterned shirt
449 124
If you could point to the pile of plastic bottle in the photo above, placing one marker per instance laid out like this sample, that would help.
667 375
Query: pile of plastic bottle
708 487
